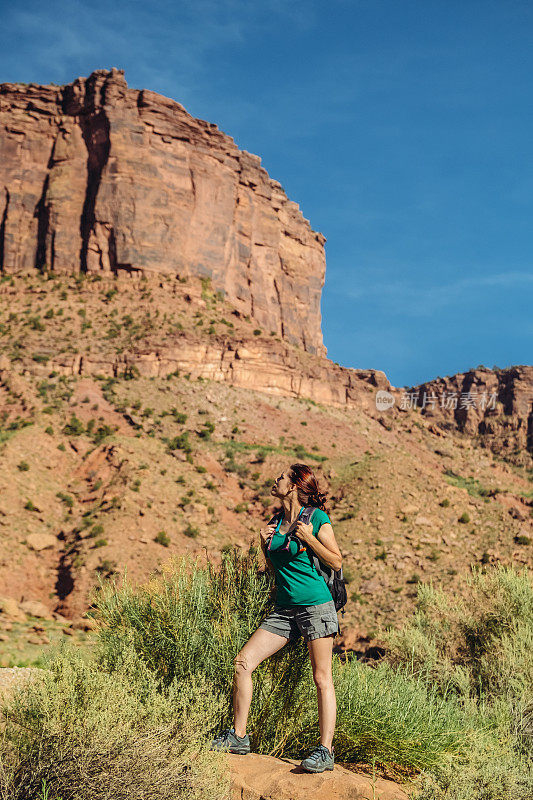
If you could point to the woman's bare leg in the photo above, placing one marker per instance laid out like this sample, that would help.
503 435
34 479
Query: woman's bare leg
259 646
320 652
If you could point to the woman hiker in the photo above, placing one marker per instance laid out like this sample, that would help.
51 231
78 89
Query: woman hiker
304 606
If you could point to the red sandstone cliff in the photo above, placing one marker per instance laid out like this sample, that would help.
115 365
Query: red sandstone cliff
494 406
98 177
111 181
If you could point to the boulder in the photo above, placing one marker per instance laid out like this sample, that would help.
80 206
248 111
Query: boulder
84 624
258 777
10 610
40 541
34 608
409 509
371 585
425 522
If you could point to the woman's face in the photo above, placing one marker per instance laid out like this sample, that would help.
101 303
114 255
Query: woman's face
282 485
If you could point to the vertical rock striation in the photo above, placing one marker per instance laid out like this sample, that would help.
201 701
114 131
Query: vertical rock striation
98 177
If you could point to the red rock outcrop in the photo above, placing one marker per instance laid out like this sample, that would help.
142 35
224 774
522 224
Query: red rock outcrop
258 777
98 177
264 366
494 406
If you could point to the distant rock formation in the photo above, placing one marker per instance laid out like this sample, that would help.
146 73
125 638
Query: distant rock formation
494 406
98 177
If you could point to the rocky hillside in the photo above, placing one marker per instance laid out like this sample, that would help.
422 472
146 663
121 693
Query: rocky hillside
113 455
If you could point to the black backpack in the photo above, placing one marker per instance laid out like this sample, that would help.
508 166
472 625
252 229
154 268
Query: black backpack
333 578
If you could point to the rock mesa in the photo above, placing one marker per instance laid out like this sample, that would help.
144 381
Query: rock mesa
98 177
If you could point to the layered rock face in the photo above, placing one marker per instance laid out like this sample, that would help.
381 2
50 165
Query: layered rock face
495 406
98 177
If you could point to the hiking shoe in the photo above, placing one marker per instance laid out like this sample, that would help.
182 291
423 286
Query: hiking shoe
319 760
230 742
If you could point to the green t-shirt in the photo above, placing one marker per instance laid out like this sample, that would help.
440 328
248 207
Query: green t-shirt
298 583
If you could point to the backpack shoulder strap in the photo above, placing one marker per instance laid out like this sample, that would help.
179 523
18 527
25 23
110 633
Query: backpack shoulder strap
274 518
322 569
328 573
307 514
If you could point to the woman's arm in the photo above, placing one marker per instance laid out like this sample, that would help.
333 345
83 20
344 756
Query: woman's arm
268 561
323 544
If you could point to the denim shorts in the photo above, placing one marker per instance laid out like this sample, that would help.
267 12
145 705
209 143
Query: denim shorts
311 622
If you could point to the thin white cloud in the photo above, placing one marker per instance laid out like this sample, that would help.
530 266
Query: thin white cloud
424 300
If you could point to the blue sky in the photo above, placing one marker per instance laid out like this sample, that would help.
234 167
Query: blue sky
403 128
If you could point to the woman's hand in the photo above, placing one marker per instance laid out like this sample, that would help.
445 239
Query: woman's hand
264 533
304 531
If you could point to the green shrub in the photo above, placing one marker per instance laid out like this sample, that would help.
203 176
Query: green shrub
464 518
131 373
91 734
75 427
472 485
23 466
480 644
36 324
180 442
102 432
162 538
190 530
67 499
191 621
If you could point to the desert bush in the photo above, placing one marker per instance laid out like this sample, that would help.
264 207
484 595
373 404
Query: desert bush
91 734
192 620
75 427
163 538
479 644
180 442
